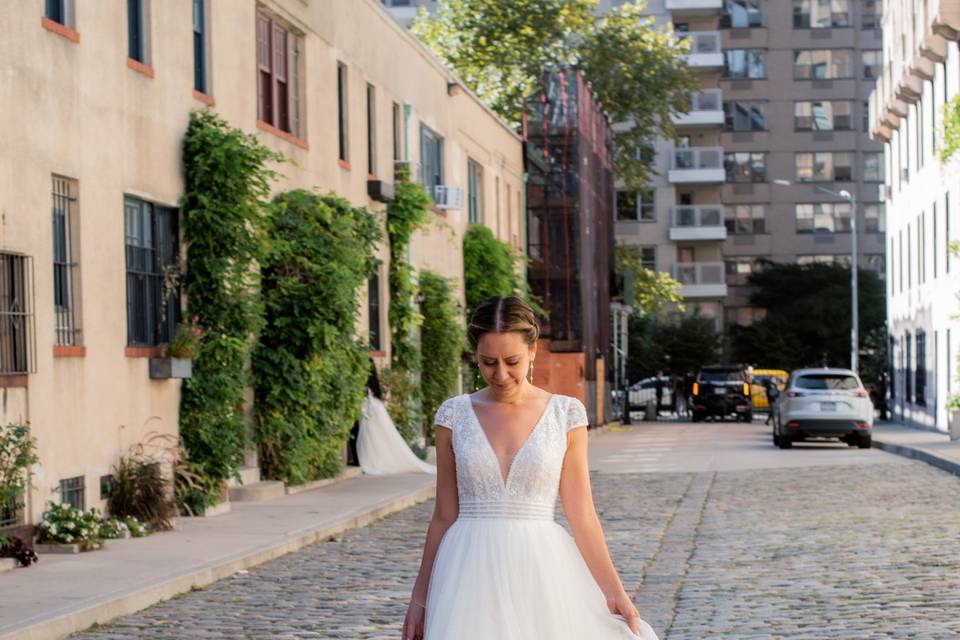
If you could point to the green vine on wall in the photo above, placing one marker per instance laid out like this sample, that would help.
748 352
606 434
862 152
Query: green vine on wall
491 267
441 344
407 213
227 182
310 369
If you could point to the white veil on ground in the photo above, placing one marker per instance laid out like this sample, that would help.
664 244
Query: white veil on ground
381 450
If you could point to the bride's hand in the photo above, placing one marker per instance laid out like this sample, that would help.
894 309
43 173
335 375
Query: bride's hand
621 603
413 623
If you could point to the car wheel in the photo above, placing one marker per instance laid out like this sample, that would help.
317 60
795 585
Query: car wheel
864 442
786 442
852 441
697 416
748 416
776 439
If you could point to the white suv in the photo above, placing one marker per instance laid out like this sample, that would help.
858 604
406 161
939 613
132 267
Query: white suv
823 403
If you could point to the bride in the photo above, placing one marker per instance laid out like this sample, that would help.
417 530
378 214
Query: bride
495 564
381 450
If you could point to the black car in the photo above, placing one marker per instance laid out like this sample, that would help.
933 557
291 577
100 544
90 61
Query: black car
721 390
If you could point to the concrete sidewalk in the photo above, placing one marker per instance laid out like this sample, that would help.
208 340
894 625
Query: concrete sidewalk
933 447
63 594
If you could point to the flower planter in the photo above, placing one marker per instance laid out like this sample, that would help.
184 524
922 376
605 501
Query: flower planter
55 547
165 368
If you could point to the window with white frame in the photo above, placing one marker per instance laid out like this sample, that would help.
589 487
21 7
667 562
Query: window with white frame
823 217
636 205
431 158
278 74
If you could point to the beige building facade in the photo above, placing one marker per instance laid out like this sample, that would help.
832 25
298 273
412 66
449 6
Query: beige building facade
98 97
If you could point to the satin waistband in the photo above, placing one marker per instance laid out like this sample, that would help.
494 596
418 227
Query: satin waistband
509 509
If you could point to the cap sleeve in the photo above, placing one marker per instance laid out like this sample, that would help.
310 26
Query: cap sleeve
576 414
445 414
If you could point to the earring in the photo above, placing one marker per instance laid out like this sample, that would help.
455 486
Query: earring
530 373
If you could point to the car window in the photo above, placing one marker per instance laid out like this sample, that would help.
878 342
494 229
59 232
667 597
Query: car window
827 381
719 376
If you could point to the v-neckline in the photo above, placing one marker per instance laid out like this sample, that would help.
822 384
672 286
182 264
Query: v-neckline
504 483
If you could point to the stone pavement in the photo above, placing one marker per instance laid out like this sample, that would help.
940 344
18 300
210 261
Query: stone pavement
932 447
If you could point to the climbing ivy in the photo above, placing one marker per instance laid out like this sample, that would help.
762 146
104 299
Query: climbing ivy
441 344
309 367
491 267
227 181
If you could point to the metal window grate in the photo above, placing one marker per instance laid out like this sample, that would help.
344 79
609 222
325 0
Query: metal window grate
72 492
64 264
153 298
17 339
9 513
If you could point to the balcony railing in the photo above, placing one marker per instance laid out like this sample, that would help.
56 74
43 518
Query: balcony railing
706 109
694 273
696 165
691 7
697 222
705 49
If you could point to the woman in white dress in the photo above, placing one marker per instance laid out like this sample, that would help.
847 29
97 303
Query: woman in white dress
496 565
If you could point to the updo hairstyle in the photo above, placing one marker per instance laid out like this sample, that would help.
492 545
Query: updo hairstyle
501 315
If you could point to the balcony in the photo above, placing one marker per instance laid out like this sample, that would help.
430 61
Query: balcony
705 52
697 222
706 110
700 279
696 165
695 7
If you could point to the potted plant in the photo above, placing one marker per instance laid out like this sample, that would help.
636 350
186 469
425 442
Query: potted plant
953 416
67 529
177 360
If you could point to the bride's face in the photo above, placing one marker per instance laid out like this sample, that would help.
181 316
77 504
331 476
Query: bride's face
504 359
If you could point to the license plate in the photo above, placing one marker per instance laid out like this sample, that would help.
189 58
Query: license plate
828 406
720 391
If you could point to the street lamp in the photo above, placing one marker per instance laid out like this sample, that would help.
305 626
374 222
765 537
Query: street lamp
854 310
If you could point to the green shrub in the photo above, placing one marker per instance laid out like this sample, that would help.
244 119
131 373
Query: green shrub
441 344
141 490
63 524
17 454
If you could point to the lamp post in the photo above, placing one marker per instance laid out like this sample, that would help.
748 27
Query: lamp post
854 298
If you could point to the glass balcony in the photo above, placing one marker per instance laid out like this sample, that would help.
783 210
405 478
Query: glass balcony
706 110
696 165
700 279
697 222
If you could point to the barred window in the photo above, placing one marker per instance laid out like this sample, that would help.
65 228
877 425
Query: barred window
65 267
17 338
72 492
153 291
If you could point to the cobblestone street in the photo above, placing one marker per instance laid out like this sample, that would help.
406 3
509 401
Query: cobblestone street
827 551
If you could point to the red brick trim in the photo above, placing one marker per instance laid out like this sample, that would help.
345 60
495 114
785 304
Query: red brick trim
68 351
204 98
280 133
344 164
17 380
59 29
143 352
139 67
437 210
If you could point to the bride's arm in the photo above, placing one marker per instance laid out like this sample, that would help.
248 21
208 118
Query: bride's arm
445 510
577 499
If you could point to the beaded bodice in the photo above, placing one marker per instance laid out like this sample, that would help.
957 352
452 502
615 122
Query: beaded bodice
533 480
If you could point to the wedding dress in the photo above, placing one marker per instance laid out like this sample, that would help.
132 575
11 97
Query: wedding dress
505 569
381 450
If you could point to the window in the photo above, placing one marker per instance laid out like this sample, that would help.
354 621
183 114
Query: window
371 130
59 11
136 32
871 14
65 276
745 63
16 314
908 365
744 316
745 166
825 115
106 486
152 249
72 492
745 218
397 128
738 269
875 263
872 63
866 116
648 258
278 75
921 370
637 205
824 259
474 192
821 64
745 116
873 166
875 218
823 217
824 167
431 159
343 151
373 311
199 46
738 14
820 14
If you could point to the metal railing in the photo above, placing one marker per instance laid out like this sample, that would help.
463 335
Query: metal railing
709 215
17 336
703 41
697 158
699 273
707 100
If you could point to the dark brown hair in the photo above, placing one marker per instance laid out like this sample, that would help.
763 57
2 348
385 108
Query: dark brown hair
500 315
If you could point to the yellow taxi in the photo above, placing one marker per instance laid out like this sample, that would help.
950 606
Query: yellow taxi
758 382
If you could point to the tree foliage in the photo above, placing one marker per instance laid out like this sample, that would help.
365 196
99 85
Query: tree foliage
490 267
227 181
309 367
652 290
807 319
441 344
951 130
499 49
676 343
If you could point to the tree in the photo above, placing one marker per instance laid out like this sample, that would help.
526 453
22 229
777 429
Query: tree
807 319
652 290
499 49
676 343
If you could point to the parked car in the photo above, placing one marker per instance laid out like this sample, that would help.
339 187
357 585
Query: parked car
643 391
758 385
721 390
823 403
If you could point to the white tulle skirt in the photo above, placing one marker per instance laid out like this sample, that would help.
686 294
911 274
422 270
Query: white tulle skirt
517 579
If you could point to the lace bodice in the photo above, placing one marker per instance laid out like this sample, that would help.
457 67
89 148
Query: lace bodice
533 479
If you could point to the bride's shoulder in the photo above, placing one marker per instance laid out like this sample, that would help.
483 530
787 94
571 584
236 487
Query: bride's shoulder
447 412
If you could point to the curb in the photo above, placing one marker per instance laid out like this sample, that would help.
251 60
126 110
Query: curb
125 604
945 464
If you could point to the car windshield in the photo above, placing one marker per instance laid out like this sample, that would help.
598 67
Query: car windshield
827 381
720 375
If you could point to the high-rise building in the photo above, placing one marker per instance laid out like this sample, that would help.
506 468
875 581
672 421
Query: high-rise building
783 98
921 67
